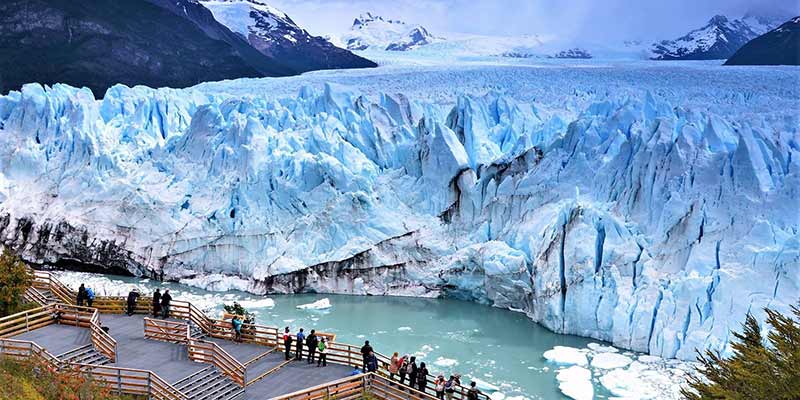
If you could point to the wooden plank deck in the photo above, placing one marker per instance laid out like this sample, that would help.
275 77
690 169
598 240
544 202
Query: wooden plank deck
171 362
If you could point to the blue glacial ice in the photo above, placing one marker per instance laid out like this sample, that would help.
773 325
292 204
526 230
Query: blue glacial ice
646 224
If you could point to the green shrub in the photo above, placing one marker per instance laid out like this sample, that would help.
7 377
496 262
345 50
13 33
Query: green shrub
755 370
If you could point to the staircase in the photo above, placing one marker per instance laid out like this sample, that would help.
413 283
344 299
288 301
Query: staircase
41 296
85 355
195 332
209 384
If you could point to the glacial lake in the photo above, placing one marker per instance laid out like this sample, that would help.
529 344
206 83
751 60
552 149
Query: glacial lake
499 347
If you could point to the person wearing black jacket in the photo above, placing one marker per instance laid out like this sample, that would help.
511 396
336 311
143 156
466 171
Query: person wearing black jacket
311 345
156 303
166 299
372 362
132 297
81 295
422 378
413 370
365 352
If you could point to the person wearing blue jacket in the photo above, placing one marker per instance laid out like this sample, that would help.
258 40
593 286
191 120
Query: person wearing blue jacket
301 339
89 296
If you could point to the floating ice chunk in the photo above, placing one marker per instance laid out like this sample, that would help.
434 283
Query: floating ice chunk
576 383
628 385
650 359
260 303
497 396
484 386
317 305
566 355
445 362
610 361
599 348
404 328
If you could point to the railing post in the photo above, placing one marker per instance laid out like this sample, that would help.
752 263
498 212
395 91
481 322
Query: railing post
119 381
27 328
149 387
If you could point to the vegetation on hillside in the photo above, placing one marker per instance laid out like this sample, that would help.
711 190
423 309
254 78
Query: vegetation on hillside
14 281
755 370
33 380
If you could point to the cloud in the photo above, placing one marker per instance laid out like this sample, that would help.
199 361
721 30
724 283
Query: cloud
579 19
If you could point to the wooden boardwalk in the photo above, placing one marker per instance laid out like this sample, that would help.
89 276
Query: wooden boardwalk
188 357
171 361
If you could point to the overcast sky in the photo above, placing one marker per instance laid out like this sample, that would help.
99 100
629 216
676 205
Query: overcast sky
597 19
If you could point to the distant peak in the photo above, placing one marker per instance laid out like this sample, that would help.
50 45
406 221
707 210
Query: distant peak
718 20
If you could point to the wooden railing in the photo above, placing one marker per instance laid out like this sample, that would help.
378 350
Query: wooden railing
121 380
339 353
101 340
137 382
166 331
25 321
210 353
355 387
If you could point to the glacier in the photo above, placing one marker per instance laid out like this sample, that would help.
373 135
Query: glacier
649 219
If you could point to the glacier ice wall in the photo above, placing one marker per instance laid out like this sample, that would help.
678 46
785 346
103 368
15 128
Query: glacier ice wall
651 226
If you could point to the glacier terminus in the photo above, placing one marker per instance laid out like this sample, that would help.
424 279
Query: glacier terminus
651 219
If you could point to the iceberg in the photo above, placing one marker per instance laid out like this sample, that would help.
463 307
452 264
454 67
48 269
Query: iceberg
576 383
610 360
650 220
566 356
321 304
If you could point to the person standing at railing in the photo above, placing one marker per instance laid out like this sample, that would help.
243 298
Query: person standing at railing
394 365
81 295
422 377
311 345
89 296
323 353
372 362
287 343
237 328
132 297
439 386
301 339
403 370
365 351
166 300
473 393
412 370
451 385
156 303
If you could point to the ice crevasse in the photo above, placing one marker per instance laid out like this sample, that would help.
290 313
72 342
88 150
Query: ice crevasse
651 226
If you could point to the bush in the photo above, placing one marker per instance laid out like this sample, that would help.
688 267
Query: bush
754 370
14 281
34 380
236 308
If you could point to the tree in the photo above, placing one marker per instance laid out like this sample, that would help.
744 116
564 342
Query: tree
14 281
754 370
247 317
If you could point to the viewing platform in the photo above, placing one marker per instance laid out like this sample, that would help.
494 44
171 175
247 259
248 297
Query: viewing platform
188 356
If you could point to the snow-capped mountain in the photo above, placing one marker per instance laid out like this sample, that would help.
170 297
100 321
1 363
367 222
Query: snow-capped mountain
575 52
780 46
374 32
273 33
717 40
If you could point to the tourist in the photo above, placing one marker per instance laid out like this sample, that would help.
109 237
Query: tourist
311 345
323 353
403 369
365 350
132 297
81 295
156 303
473 393
287 343
89 296
166 299
394 365
237 328
301 339
412 370
372 362
439 386
422 377
451 386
